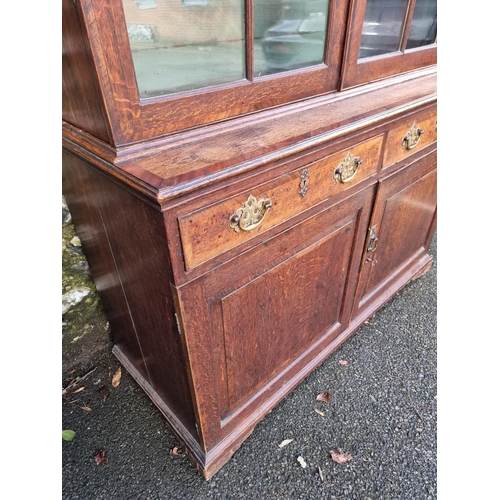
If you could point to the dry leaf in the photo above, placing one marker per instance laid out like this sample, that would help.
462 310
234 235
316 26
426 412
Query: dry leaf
324 396
104 392
100 457
86 408
302 462
319 412
340 456
343 362
285 442
174 451
116 377
78 390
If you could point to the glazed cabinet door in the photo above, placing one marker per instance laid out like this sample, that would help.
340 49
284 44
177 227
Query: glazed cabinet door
256 325
399 234
389 37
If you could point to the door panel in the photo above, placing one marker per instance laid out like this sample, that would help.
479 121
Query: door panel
403 217
286 310
255 322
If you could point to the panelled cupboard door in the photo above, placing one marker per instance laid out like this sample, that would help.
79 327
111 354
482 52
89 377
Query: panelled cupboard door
271 314
400 232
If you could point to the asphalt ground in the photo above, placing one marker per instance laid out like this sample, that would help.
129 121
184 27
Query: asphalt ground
382 411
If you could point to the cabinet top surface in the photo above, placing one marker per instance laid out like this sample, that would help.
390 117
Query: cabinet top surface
171 166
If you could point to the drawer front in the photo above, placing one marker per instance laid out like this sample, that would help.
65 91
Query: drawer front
410 136
213 230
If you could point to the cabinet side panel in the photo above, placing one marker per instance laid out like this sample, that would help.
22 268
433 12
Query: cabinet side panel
137 259
81 188
82 103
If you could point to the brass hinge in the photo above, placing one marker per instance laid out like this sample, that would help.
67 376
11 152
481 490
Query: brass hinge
178 324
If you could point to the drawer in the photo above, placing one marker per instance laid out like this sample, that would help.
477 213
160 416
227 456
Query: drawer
410 136
210 231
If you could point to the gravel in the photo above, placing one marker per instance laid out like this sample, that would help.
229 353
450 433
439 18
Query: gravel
382 411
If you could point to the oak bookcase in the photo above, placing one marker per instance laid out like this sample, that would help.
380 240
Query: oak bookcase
251 180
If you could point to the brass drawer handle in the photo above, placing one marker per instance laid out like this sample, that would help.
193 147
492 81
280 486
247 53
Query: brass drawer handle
250 215
410 140
347 169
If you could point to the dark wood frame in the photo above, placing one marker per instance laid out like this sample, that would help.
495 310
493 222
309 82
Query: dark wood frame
134 119
124 118
357 72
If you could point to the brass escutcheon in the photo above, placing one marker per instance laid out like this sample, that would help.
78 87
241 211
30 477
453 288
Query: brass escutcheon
410 140
373 240
250 215
304 182
347 169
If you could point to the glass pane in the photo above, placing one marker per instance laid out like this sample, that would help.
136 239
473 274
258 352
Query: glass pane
424 24
185 44
382 27
288 34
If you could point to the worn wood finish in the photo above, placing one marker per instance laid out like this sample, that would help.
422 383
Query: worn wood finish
218 326
240 188
79 188
407 25
358 72
166 168
377 69
124 242
275 135
395 151
82 102
206 233
307 289
404 217
249 41
231 385
109 61
209 328
134 120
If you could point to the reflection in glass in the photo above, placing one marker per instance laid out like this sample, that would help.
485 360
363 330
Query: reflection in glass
424 24
185 45
382 27
288 34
